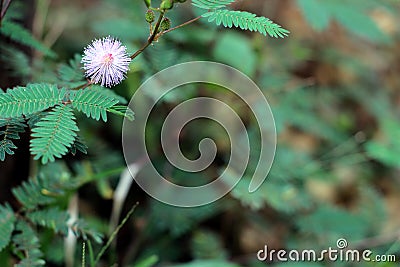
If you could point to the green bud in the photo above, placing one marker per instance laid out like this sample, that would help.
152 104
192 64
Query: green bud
167 4
150 17
165 24
179 1
147 3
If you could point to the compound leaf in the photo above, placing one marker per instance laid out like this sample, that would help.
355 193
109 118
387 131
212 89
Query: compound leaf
54 134
7 219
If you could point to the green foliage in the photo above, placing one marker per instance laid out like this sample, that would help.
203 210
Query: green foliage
353 15
314 193
43 190
27 246
333 223
122 111
30 99
104 91
71 74
239 19
211 4
52 218
207 263
81 229
207 245
178 221
7 219
78 145
12 128
387 149
19 34
93 104
246 21
17 60
283 195
148 262
231 43
54 134
40 198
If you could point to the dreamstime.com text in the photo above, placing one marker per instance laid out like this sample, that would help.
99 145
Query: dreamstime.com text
341 253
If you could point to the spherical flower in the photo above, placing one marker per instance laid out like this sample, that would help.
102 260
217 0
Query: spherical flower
105 61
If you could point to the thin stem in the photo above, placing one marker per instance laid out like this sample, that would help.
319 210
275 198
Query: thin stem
83 86
183 24
83 254
151 38
4 8
155 32
114 234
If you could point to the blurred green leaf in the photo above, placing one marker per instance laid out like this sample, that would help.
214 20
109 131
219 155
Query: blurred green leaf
236 50
351 14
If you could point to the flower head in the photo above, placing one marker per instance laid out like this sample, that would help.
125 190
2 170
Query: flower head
105 61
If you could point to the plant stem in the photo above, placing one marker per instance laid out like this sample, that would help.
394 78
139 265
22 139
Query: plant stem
4 7
151 38
114 234
83 86
155 33
183 24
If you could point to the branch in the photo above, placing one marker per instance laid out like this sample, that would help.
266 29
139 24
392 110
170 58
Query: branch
151 38
155 34
183 24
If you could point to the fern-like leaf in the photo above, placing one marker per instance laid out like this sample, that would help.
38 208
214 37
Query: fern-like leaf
45 189
27 243
80 228
7 219
16 62
52 218
19 34
12 129
123 111
78 145
71 74
107 92
32 193
211 4
246 21
93 104
30 99
54 134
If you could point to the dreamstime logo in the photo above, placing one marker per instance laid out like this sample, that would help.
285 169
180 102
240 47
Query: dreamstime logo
154 89
341 253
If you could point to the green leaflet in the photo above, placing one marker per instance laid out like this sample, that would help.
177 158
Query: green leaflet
54 134
7 220
211 4
27 243
30 99
107 92
92 103
12 129
239 19
39 191
246 21
123 111
52 218
71 74
19 34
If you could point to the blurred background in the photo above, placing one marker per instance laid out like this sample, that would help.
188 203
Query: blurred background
334 89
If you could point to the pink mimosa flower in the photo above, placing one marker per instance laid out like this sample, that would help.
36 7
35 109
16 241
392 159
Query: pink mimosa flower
106 62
